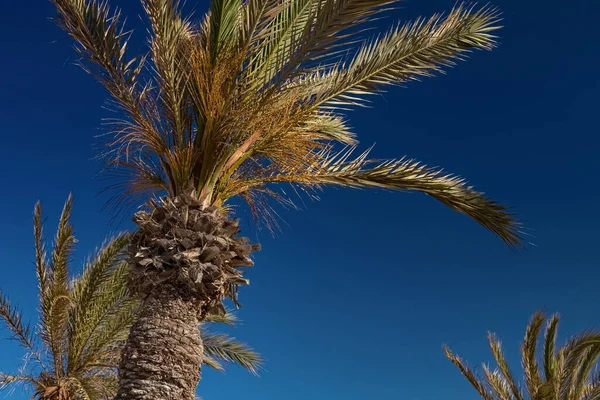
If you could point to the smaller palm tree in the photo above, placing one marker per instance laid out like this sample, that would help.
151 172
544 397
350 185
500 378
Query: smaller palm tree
566 373
84 322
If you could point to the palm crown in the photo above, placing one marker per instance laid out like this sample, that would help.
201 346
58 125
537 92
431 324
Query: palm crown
83 322
565 373
254 94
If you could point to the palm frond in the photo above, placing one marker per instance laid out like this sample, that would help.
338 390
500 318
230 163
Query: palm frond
550 362
496 348
7 380
339 168
580 355
326 32
528 353
498 383
224 22
171 35
102 40
109 317
581 378
228 318
14 322
569 372
56 305
469 374
279 35
41 267
408 52
94 293
224 348
250 95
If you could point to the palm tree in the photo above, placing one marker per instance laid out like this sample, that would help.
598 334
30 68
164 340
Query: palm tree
249 97
566 373
84 322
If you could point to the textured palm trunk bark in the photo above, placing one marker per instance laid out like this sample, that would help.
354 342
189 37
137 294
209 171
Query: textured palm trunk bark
163 355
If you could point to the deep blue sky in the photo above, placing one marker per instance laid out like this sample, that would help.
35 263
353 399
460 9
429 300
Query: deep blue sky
355 297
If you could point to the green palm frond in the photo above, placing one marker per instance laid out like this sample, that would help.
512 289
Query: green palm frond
84 324
63 358
224 23
13 320
408 52
339 168
569 372
95 294
279 34
56 302
261 85
222 347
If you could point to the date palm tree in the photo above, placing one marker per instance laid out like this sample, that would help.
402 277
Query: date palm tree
251 96
565 373
84 322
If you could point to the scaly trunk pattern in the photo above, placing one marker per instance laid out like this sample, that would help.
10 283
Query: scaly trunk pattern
164 349
184 263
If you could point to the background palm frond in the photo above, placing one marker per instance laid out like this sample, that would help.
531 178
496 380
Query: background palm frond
569 372
220 347
84 323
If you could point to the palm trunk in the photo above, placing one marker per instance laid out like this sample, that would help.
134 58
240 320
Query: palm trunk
184 262
163 354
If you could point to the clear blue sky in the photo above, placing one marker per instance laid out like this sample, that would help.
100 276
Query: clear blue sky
355 297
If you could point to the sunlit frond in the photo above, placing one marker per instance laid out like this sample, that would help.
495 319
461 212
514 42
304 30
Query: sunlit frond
171 34
528 353
497 382
569 372
256 89
496 348
582 353
550 362
469 374
339 168
408 52
7 380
